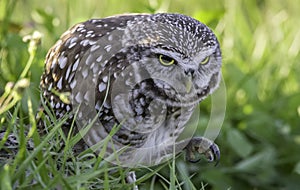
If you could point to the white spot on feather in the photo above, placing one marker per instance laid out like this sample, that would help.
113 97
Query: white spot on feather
74 68
62 61
85 73
72 45
84 42
59 84
105 79
94 47
78 97
57 105
99 58
68 72
50 86
68 108
89 59
101 87
107 48
87 96
73 84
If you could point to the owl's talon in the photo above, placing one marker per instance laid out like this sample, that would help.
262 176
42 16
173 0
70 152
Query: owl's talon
194 161
214 149
131 179
201 145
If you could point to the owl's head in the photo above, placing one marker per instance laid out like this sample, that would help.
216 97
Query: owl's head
177 57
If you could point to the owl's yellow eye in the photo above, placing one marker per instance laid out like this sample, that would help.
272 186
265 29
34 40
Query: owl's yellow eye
165 60
205 60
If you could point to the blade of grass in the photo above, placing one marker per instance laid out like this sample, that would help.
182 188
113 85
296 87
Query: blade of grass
5 178
39 148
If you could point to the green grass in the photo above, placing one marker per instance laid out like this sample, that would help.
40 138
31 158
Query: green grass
260 137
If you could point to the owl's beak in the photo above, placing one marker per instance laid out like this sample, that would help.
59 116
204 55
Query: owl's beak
189 84
189 73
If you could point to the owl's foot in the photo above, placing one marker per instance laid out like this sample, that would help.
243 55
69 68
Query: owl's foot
131 179
201 145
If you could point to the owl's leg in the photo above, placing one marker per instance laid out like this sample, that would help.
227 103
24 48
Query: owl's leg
131 179
201 145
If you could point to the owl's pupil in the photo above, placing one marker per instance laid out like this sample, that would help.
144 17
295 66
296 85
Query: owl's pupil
165 58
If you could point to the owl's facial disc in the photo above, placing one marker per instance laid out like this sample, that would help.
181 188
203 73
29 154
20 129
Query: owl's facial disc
185 82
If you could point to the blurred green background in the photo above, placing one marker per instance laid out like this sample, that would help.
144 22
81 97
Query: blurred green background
260 42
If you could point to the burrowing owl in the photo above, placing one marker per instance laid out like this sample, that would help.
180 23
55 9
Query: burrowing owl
134 80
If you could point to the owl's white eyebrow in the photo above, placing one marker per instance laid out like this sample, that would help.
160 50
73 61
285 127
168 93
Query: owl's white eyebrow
175 55
205 52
